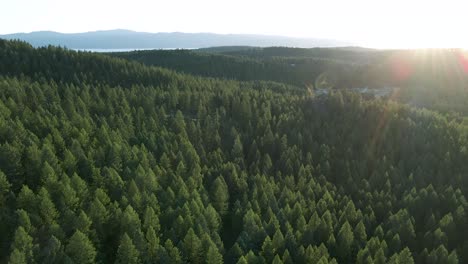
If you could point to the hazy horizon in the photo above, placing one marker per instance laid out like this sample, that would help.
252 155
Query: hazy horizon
395 24
349 43
157 32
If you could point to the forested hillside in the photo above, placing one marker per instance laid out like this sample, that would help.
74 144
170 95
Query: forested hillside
435 79
103 160
338 68
347 54
300 71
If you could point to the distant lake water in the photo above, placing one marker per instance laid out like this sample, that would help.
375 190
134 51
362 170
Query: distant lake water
126 50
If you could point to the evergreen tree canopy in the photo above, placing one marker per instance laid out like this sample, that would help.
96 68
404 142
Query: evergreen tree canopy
105 160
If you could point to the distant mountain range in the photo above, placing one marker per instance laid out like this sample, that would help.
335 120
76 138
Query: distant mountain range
127 39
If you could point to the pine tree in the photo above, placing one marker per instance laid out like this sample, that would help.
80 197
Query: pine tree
234 253
242 260
150 219
278 241
23 245
220 196
364 257
24 220
4 188
345 241
213 256
268 250
277 260
53 252
452 258
173 252
26 199
212 217
80 249
47 209
360 233
98 214
83 222
238 151
379 257
405 256
153 247
127 252
287 259
192 247
131 225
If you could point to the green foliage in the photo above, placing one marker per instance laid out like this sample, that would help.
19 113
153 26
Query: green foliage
403 257
173 252
213 256
153 247
127 252
220 195
22 247
17 257
4 188
53 252
104 160
80 249
345 240
192 247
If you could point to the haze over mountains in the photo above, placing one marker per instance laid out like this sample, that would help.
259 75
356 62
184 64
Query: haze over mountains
127 39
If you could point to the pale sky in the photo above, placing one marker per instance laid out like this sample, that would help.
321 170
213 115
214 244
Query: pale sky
372 23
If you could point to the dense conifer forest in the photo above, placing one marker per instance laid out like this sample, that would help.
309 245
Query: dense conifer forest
107 160
280 64
432 78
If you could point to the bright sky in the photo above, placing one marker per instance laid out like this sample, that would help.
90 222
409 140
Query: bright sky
373 23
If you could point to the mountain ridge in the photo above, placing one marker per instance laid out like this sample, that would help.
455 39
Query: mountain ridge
128 39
